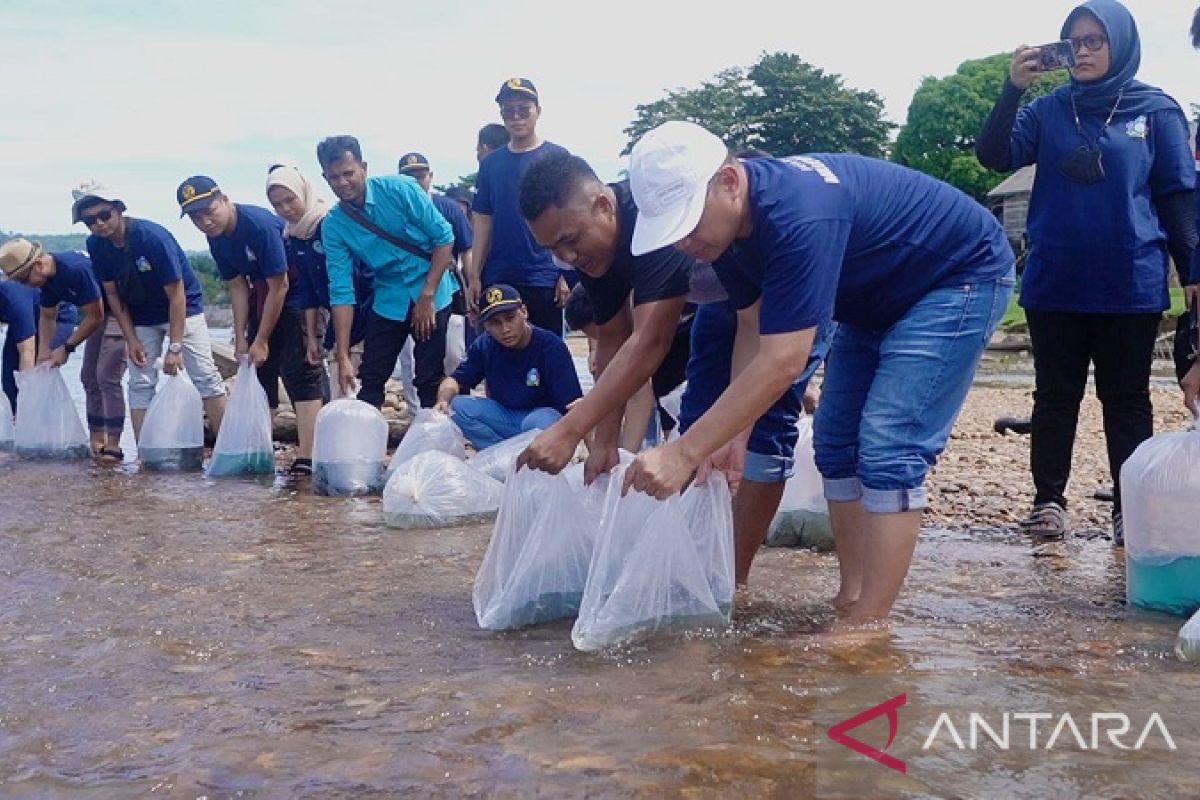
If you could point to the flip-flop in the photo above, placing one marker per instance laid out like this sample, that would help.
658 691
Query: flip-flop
112 454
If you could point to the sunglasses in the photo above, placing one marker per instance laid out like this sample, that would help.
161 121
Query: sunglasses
1093 42
515 112
99 216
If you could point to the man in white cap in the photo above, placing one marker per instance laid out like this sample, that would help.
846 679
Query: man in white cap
916 273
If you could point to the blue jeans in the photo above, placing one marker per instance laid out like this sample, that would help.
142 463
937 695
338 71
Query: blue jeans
770 454
485 422
890 398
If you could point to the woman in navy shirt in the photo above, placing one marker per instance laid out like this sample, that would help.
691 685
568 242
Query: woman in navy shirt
1111 200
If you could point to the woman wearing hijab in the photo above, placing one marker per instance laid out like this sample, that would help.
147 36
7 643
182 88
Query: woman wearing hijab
1112 199
293 198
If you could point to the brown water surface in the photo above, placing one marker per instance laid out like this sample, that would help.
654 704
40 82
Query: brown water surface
172 636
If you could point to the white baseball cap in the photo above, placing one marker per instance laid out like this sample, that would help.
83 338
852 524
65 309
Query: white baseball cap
669 171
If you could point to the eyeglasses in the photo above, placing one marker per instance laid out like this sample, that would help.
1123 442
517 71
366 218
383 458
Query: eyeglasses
516 112
99 216
1093 42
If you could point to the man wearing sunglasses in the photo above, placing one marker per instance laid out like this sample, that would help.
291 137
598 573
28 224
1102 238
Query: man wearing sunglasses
505 250
152 293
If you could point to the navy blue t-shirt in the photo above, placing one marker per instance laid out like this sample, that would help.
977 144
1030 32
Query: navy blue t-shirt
659 275
452 212
306 257
255 248
542 375
158 259
514 256
74 281
20 308
855 237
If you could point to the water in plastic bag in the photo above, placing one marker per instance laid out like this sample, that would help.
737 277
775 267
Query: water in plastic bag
243 444
437 490
658 565
430 430
349 448
1187 646
536 564
7 429
499 460
1160 494
173 433
803 516
47 425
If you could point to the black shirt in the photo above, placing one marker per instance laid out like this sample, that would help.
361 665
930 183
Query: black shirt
659 275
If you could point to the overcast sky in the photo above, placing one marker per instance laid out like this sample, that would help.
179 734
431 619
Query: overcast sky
142 94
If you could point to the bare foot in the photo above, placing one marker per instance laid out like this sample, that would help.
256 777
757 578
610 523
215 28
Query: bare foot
842 603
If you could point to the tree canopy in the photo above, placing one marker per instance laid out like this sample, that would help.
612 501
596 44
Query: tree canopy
946 115
781 104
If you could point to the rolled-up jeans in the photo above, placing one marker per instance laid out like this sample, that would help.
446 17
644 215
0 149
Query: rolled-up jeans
104 356
485 422
891 397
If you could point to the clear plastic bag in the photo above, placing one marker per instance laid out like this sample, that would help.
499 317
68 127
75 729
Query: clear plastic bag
48 426
658 565
430 430
437 490
243 445
536 564
1160 494
7 429
499 460
1187 646
349 448
803 516
173 433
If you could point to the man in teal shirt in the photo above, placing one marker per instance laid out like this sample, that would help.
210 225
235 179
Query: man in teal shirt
389 224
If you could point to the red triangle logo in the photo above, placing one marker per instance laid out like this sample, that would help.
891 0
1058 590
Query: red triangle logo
839 732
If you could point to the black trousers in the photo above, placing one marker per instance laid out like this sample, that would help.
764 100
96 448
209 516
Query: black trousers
382 343
542 310
1121 347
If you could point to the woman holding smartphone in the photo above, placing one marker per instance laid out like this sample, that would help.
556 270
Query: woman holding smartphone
1111 201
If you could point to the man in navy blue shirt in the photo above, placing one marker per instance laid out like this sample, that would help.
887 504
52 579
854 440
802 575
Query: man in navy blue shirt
505 251
20 309
529 372
917 275
64 277
246 243
152 292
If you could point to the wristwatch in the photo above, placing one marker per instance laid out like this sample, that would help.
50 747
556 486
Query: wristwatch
70 348
175 347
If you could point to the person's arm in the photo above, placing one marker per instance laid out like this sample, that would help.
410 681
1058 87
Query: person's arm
339 269
312 343
481 225
137 354
996 146
239 301
1176 214
277 288
93 318
424 315
447 391
27 353
639 409
176 320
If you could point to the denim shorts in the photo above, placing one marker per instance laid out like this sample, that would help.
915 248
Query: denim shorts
890 398
770 455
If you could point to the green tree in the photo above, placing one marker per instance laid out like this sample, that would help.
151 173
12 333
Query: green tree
53 242
466 181
211 284
781 104
946 115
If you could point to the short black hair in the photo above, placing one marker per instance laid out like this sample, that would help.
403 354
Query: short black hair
579 312
493 135
550 180
1196 29
752 152
331 148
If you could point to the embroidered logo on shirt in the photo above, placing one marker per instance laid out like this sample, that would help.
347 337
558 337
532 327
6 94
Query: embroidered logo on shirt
143 265
318 248
533 377
250 256
1136 128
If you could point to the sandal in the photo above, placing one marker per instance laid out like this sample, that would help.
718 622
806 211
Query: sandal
301 466
1047 522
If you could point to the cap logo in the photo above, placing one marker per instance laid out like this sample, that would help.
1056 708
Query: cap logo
672 193
189 192
514 83
412 160
494 296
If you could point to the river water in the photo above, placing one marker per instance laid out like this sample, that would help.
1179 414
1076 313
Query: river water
166 635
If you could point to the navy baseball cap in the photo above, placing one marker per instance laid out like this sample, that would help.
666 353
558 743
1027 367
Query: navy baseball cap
517 89
498 298
413 162
196 194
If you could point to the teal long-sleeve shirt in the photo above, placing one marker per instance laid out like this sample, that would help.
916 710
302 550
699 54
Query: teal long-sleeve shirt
399 205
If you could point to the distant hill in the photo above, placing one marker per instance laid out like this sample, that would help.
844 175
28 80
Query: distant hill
50 241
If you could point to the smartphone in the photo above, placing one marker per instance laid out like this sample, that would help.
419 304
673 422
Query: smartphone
1056 55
